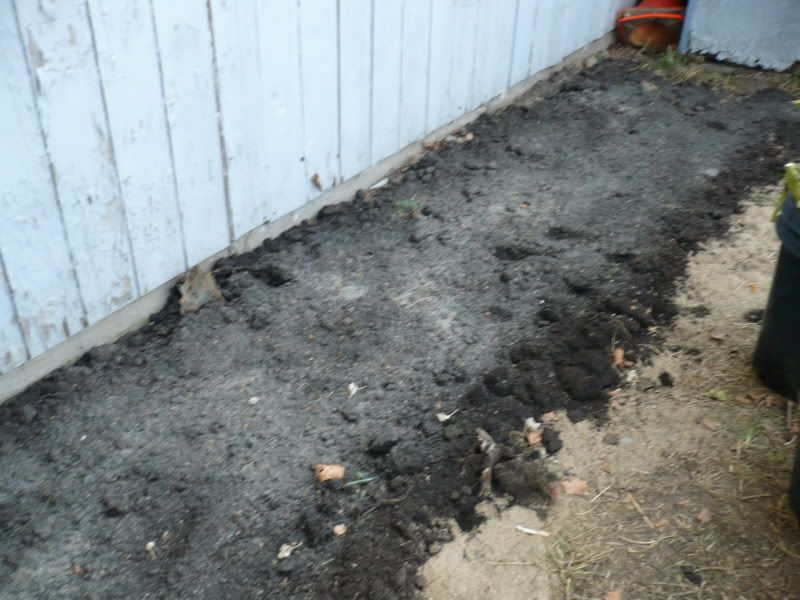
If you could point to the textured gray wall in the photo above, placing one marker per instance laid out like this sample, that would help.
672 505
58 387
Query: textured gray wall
756 33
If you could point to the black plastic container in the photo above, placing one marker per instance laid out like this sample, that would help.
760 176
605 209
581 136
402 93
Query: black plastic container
777 355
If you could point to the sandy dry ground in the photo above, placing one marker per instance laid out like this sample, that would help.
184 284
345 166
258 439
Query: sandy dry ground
686 493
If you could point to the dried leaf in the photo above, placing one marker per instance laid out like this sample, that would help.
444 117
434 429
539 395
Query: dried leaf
444 417
534 438
315 179
710 425
618 357
575 487
704 516
285 551
197 289
615 595
328 472
339 529
661 523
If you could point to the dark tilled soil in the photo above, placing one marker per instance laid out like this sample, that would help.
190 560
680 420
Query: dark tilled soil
494 278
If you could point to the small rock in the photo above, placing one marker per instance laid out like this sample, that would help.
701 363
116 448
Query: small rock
711 173
361 194
340 529
754 316
253 400
612 439
666 379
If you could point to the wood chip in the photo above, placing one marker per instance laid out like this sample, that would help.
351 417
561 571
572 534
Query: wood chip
575 487
704 516
618 357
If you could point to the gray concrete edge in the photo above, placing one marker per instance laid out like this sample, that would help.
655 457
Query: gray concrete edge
136 313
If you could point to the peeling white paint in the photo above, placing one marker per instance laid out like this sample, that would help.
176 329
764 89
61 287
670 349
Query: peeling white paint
140 137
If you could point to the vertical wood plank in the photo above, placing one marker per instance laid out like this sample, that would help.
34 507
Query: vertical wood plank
12 345
184 43
355 83
443 30
551 24
523 41
495 38
129 72
61 56
320 79
414 70
235 26
32 237
388 56
464 58
290 157
484 41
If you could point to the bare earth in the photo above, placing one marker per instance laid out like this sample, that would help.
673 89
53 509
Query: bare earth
686 494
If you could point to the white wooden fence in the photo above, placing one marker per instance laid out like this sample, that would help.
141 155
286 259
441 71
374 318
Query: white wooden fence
139 137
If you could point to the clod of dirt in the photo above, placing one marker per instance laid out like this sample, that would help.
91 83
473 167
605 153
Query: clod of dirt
666 379
692 575
525 480
754 316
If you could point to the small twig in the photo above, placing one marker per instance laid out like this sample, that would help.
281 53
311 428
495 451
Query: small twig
501 563
530 531
640 511
650 542
601 492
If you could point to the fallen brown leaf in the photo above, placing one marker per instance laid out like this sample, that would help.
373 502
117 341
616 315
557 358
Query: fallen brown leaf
618 356
534 438
615 595
704 516
328 472
661 523
575 487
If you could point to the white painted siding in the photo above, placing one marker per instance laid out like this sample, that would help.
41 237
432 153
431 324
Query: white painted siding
139 137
